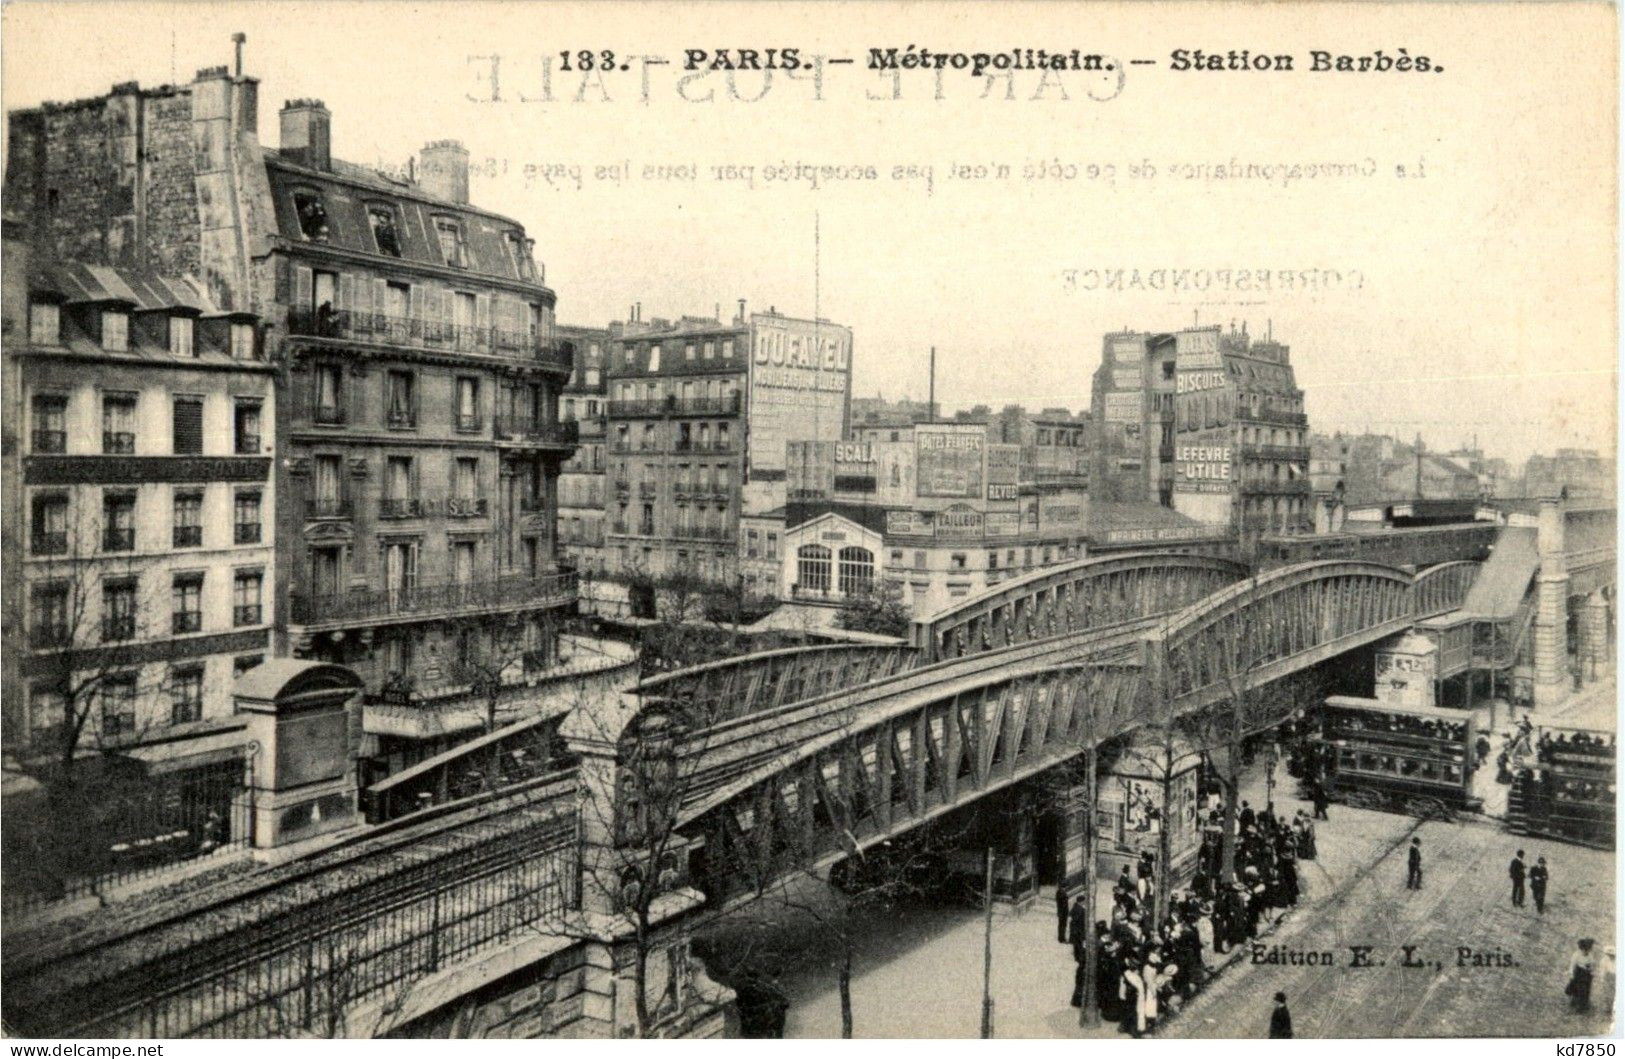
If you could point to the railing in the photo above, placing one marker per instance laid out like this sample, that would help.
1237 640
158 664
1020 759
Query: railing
648 490
703 446
46 636
1275 452
118 539
248 533
248 444
118 442
117 627
531 505
727 404
49 543
402 420
186 621
327 507
50 441
247 614
330 415
399 330
400 507
188 536
704 534
1283 487
468 423
465 507
363 603
527 428
1270 415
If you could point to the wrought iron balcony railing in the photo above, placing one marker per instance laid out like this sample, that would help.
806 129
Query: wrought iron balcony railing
1281 487
50 441
246 614
188 536
364 604
49 543
248 533
248 444
330 415
383 329
327 507
118 442
118 539
186 621
400 507
1276 452
528 430
726 404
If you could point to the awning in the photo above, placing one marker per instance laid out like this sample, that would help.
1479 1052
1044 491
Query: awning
178 754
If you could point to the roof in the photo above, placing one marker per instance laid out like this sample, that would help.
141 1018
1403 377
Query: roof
80 281
1105 516
282 677
1503 580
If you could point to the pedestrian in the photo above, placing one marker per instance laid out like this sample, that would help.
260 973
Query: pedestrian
1063 909
1318 795
1246 816
1280 1019
1538 877
1413 866
1579 987
1076 927
1516 870
1128 996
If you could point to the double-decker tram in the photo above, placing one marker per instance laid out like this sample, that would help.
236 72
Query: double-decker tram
1563 786
1414 759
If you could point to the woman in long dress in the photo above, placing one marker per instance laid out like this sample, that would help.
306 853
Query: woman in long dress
1579 987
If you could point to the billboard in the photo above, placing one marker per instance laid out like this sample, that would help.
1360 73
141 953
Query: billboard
1197 349
799 376
1123 407
949 461
1003 523
908 523
1003 472
1126 378
1125 350
959 522
1203 465
1063 514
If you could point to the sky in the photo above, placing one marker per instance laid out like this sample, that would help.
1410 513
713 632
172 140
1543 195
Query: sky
1457 226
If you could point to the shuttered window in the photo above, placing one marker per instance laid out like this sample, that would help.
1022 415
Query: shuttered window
188 426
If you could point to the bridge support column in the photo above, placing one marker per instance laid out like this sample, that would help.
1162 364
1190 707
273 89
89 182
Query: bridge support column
1551 632
1592 648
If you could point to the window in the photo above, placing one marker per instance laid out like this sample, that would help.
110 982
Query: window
992 560
186 695
118 521
462 562
324 572
384 235
722 437
690 351
50 423
118 610
398 300
329 393
118 423
243 663
324 295
246 426
519 253
464 309
468 403
115 330
710 350
654 357
956 561
400 487
312 215
47 709
182 341
857 570
647 525
188 531
400 567
50 524
450 234
812 568
243 346
533 555
466 479
751 545
188 426
400 400
45 323
247 520
48 615
327 490
117 695
186 602
246 589
727 349
772 545
919 560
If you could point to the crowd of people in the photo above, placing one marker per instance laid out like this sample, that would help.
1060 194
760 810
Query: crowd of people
1145 964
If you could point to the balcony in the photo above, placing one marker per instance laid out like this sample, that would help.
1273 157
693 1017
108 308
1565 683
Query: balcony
327 507
1299 453
248 445
400 507
648 490
530 432
247 533
703 533
50 441
402 420
466 507
468 424
1282 487
381 329
329 415
247 614
427 600
118 627
118 443
49 544
1269 415
659 407
186 621
531 505
118 539
188 536
44 637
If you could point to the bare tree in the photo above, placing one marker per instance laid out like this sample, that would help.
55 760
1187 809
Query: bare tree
496 649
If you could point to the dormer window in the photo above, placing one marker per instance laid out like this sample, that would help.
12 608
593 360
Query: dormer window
115 330
384 233
242 342
182 341
312 215
450 234
45 323
519 250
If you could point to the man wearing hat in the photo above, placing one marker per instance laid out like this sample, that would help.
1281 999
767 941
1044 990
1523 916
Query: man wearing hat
1280 1019
1413 866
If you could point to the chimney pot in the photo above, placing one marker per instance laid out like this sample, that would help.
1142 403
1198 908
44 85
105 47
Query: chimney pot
307 134
443 170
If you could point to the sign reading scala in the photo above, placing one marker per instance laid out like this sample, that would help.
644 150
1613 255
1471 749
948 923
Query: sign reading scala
949 461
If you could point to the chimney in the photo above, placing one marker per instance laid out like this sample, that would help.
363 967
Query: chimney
239 39
741 317
307 134
443 170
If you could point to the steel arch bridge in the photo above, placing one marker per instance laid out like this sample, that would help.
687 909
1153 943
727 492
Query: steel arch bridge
1072 598
899 752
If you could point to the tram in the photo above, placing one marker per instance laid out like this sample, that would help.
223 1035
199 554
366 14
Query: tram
1415 759
1414 546
1565 789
